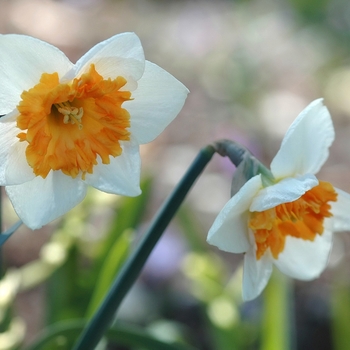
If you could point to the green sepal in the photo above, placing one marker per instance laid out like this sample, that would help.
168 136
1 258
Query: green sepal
247 165
248 168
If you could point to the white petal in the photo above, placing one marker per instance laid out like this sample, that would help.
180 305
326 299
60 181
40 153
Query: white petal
340 221
40 201
305 146
305 260
256 274
10 117
229 231
120 55
22 61
18 170
122 175
156 102
285 191
8 133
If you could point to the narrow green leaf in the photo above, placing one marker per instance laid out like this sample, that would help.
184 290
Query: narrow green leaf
192 230
61 337
7 234
112 264
340 315
71 300
142 340
277 318
128 215
104 316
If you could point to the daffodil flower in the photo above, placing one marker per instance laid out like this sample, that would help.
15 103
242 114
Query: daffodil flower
289 223
65 126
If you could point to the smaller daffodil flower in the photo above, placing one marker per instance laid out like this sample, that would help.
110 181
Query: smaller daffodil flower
289 223
65 126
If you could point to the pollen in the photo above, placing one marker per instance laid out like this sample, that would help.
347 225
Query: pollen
69 127
71 114
303 218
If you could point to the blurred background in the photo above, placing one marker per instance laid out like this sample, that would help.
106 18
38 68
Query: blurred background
251 67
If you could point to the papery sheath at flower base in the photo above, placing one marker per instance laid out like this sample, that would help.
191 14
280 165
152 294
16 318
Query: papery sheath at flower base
290 223
66 126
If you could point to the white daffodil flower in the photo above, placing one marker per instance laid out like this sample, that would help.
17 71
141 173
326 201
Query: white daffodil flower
65 126
290 223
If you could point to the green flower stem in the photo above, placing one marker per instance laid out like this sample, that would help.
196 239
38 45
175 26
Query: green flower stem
277 322
104 316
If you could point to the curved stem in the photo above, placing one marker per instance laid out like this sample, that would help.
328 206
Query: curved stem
130 271
232 150
133 266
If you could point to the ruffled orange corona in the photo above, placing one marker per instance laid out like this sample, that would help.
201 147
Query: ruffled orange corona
68 125
302 218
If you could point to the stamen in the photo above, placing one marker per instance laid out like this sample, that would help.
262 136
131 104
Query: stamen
71 114
48 110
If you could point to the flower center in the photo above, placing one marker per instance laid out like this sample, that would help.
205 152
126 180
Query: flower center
302 218
69 127
71 114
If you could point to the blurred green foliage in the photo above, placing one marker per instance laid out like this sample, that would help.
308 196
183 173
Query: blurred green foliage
311 10
207 312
